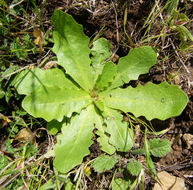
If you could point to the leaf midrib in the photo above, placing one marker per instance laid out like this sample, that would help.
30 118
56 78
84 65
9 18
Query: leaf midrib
71 100
121 99
79 133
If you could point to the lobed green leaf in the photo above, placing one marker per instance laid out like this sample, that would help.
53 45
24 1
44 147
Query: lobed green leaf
107 76
72 145
121 135
32 79
71 48
100 52
137 62
152 101
103 140
52 102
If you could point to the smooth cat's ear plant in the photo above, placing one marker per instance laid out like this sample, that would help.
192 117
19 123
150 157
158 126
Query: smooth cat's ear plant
88 93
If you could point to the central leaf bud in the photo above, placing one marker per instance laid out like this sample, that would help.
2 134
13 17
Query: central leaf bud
94 95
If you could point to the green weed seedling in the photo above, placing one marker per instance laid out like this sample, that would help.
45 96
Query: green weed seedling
179 23
88 93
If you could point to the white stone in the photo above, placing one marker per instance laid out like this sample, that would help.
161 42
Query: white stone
169 182
188 138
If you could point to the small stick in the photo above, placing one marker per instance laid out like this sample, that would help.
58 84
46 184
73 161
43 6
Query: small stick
176 52
11 6
182 176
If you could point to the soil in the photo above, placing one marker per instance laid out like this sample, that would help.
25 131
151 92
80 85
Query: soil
107 18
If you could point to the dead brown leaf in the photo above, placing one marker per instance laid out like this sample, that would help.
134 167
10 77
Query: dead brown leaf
25 135
39 35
